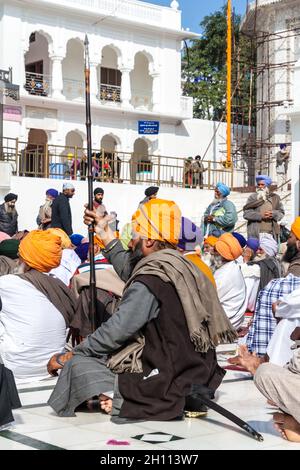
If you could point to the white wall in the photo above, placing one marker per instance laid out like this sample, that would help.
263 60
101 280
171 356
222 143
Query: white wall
123 199
295 155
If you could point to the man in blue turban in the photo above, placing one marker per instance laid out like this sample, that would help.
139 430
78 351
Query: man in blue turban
263 210
44 217
221 215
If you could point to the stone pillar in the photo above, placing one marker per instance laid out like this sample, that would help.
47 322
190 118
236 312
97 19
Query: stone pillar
156 91
94 82
57 77
125 87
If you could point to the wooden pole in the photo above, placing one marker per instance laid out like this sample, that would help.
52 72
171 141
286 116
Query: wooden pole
93 297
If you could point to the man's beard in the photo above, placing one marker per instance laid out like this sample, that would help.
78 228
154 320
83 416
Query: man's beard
20 268
135 256
10 210
290 253
216 262
207 258
262 193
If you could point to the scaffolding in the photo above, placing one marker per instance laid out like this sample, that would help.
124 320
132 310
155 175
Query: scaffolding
268 64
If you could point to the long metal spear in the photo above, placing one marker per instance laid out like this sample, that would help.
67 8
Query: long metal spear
93 295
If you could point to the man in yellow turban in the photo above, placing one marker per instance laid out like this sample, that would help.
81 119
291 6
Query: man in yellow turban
36 308
175 306
230 282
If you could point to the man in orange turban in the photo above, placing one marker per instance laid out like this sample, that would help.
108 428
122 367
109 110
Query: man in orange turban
208 250
65 240
41 250
159 220
230 282
171 302
36 308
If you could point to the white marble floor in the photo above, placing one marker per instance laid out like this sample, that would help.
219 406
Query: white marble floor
37 427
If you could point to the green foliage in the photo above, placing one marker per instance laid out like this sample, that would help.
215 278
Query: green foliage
204 69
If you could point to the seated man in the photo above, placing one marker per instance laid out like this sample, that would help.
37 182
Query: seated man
264 323
261 267
35 310
280 385
231 286
171 303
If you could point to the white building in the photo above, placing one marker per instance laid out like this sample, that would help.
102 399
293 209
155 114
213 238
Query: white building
276 25
135 58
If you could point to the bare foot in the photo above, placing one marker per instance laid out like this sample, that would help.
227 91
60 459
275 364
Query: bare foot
249 361
287 426
105 404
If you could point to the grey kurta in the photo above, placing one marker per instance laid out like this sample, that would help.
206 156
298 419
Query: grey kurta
86 375
281 385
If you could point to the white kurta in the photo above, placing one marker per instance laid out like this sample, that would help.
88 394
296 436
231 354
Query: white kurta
68 265
252 279
31 329
231 290
279 348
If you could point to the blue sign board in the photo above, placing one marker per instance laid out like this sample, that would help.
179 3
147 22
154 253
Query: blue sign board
148 127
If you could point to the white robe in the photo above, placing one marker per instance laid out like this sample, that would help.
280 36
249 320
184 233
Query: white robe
68 265
231 290
279 348
31 329
252 279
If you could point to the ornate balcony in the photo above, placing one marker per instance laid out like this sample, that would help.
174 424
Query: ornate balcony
38 84
110 93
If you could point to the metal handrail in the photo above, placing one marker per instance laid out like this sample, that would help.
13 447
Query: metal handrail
64 161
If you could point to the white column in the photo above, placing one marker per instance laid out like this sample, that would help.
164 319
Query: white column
125 87
23 72
156 91
57 77
94 82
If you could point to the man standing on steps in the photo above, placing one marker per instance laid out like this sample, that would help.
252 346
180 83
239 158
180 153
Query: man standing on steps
61 210
263 210
282 163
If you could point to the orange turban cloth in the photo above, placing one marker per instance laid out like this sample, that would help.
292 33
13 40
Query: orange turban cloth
295 228
41 250
158 219
228 247
197 261
65 240
211 240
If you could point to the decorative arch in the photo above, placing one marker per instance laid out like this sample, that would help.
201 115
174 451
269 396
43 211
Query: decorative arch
148 56
73 69
115 138
141 81
115 48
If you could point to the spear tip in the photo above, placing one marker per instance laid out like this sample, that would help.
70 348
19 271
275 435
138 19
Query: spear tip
86 40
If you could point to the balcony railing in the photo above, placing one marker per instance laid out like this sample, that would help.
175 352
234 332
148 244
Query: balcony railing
59 162
110 93
38 84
